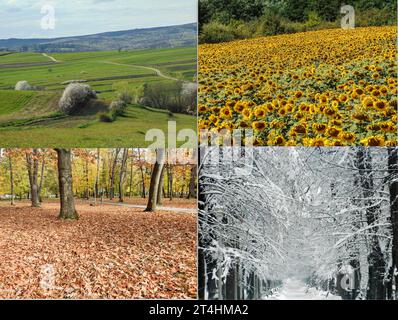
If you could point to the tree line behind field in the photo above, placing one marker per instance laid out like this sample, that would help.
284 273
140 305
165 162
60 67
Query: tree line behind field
38 174
227 20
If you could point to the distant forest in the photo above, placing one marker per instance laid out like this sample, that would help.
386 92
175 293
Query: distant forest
226 20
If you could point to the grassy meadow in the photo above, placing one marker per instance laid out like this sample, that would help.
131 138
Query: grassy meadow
31 118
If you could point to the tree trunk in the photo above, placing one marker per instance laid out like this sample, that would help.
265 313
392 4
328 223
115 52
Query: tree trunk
142 176
201 274
43 164
170 181
113 175
122 174
192 183
393 172
68 210
250 286
155 179
211 286
11 180
231 284
376 287
87 189
33 171
237 281
97 177
131 177
159 198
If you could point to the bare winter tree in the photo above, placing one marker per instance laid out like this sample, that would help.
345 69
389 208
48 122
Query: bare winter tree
393 174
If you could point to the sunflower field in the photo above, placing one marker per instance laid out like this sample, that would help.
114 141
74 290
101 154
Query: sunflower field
322 88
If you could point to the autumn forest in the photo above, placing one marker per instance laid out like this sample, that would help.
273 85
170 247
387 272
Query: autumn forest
97 223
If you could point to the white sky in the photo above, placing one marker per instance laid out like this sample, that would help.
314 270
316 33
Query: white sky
22 18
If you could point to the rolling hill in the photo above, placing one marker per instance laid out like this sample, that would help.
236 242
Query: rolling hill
150 38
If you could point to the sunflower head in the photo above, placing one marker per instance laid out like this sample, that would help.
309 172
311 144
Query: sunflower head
202 108
361 116
247 113
374 141
329 111
239 106
319 127
260 112
343 98
380 105
333 132
300 129
391 143
298 94
368 102
347 136
316 142
226 112
258 126
244 124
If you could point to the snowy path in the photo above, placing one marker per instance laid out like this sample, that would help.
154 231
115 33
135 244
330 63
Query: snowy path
296 290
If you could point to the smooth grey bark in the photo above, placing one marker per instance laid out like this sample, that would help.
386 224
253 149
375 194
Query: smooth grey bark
131 177
122 174
11 180
170 181
143 187
159 198
43 164
33 170
113 175
97 177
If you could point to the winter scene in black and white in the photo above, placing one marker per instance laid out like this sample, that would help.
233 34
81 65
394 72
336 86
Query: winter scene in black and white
298 223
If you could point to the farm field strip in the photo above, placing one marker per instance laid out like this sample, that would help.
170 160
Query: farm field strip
22 58
84 131
35 117
84 66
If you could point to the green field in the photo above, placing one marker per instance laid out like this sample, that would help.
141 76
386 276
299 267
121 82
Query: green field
22 58
31 118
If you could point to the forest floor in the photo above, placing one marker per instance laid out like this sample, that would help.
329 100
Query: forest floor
110 252
293 289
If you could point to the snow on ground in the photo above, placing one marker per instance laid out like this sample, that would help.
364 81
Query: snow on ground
294 289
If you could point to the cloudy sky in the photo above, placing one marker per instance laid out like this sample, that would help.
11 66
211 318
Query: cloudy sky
23 18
